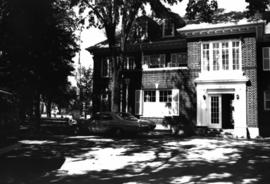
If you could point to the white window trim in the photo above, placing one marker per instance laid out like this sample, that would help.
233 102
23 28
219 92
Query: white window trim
265 69
264 101
220 58
174 102
166 68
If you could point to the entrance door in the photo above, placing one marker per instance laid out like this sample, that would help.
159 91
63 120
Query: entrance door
215 111
227 111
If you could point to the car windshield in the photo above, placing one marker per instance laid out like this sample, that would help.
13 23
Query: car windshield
127 116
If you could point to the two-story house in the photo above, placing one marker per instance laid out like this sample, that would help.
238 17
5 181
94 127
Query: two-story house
215 77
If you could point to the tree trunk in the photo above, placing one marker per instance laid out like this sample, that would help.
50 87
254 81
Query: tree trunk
115 97
49 108
37 110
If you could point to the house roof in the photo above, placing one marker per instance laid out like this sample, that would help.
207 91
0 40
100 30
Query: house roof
194 31
177 43
213 30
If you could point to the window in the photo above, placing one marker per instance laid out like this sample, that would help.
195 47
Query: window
165 96
150 96
225 56
178 59
168 28
267 100
105 67
130 63
266 58
106 117
221 56
215 56
236 55
205 57
142 30
154 61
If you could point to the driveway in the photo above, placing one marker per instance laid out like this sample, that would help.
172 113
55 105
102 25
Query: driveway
145 159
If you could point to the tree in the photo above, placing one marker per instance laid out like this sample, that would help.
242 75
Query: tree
37 45
85 84
255 6
261 7
108 15
201 10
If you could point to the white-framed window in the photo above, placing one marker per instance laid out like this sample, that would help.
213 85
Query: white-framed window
221 55
266 58
205 56
165 96
105 67
236 55
157 102
177 60
154 61
168 28
150 96
267 100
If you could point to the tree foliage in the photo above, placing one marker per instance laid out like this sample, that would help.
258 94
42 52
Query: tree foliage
201 10
37 45
257 6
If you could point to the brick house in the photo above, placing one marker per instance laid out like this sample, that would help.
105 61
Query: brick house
215 77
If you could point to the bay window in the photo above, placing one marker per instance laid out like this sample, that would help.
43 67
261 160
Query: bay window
221 55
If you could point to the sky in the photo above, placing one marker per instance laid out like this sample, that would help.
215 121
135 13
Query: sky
92 36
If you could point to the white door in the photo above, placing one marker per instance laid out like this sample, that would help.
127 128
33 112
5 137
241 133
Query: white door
215 115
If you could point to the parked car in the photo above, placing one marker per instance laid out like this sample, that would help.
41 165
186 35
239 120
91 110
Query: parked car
118 123
59 125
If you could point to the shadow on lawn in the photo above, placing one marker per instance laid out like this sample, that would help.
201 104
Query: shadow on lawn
171 161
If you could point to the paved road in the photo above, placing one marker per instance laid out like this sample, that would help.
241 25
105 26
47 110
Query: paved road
145 159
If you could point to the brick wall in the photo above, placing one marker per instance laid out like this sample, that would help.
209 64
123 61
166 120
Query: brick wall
249 65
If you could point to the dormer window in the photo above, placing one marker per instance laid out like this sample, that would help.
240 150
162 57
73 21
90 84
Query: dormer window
168 28
142 30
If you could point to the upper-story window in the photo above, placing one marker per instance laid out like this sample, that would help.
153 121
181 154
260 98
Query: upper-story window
177 60
105 67
154 61
266 58
142 30
168 28
129 63
221 55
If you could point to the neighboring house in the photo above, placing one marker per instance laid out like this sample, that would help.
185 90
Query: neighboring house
216 77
